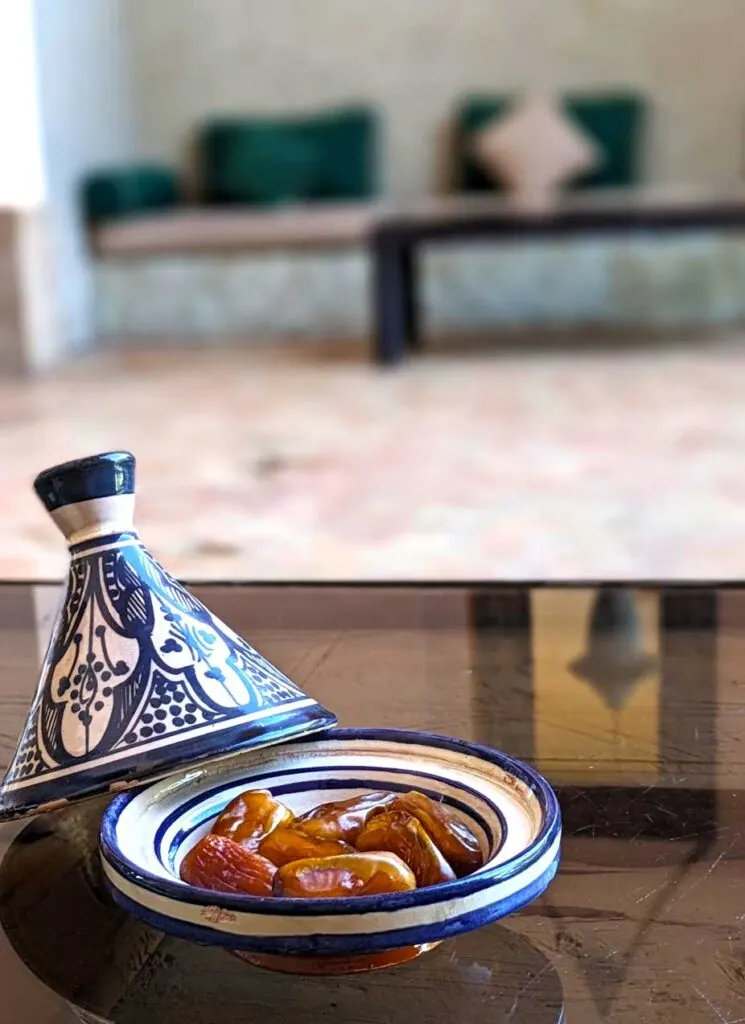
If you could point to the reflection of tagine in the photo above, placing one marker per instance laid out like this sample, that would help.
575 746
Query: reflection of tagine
139 677
615 660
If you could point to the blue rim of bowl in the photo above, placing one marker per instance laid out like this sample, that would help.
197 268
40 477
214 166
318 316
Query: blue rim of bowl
548 833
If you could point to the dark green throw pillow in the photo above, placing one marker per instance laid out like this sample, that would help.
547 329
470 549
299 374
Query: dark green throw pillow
264 164
329 156
115 193
347 141
475 112
616 123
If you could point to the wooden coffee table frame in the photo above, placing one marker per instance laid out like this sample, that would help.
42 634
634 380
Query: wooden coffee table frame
395 240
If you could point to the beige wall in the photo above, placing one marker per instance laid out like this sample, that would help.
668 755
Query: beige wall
416 56
30 337
11 296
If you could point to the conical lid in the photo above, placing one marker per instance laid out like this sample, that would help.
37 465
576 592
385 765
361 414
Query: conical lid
140 679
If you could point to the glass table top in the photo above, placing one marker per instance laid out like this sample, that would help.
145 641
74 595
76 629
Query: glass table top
631 700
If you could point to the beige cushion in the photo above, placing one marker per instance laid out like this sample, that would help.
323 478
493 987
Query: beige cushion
192 230
535 148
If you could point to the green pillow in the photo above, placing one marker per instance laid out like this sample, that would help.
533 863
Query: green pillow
127 191
328 156
614 120
264 164
616 123
474 113
347 143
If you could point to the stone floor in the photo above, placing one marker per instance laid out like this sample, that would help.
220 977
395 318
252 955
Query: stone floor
278 462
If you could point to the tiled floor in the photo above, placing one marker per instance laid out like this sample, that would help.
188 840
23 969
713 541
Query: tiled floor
279 462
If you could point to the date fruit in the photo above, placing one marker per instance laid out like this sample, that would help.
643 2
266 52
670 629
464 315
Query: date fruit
288 843
369 844
225 866
352 874
452 837
342 819
251 817
401 833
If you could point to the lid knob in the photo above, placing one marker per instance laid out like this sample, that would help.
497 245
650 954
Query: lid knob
90 497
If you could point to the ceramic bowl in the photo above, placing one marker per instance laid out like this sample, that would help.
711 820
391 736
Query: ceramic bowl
511 808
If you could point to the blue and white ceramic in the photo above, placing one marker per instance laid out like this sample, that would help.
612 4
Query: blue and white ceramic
514 812
139 678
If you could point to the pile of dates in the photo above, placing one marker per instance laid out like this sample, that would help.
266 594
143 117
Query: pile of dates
373 843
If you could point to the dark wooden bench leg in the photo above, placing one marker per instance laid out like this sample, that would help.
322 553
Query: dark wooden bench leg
394 302
411 296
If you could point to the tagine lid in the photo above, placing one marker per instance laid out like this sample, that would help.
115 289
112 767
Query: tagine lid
139 680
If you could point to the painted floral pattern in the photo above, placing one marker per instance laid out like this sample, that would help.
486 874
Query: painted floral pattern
134 658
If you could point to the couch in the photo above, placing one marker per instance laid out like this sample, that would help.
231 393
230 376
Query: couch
273 238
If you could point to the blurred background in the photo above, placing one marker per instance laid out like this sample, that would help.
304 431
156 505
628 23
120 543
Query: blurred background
194 201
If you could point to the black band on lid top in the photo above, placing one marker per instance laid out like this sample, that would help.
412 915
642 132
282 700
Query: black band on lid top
98 476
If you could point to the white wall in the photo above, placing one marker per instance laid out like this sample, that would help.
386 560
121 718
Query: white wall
86 120
21 170
195 57
27 319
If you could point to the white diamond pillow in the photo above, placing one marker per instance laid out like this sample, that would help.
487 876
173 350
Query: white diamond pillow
535 148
